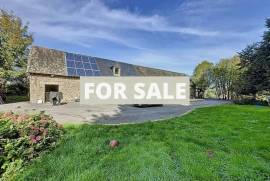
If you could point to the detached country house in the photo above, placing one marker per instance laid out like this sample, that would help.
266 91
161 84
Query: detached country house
58 71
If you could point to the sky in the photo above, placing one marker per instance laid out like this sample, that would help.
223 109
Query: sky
174 35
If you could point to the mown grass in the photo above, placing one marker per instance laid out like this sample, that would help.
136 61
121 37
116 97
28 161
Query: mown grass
228 142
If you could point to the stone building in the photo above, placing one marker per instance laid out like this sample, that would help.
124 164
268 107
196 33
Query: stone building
54 70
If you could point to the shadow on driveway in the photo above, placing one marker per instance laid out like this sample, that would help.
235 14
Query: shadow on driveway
107 114
130 114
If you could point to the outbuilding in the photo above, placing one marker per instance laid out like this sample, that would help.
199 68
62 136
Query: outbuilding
59 71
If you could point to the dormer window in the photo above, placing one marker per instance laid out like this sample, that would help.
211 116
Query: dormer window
116 71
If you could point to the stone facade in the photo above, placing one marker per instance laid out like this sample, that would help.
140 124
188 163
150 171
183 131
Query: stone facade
49 67
69 86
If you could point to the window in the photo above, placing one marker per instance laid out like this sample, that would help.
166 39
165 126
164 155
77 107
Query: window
116 71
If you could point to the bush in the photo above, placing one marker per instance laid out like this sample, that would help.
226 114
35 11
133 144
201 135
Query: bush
17 86
248 101
23 138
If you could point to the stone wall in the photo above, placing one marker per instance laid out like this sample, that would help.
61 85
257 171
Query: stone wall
69 86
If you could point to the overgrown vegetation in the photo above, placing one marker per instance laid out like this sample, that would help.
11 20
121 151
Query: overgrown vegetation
244 75
24 137
222 78
228 142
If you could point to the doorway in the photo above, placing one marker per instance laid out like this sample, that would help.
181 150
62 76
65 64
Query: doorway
50 88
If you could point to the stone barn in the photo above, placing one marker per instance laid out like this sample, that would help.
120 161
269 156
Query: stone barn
54 70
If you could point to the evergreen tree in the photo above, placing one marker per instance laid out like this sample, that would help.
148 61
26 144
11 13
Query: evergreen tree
255 63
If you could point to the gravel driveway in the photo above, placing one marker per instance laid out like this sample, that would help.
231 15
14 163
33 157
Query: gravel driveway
106 114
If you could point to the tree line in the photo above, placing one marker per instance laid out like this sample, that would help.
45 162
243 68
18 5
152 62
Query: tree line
245 74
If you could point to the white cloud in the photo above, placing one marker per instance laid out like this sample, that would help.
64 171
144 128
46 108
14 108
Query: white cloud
86 23
71 21
199 7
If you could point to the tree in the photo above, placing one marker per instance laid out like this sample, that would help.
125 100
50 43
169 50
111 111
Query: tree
250 74
201 78
225 77
255 63
14 43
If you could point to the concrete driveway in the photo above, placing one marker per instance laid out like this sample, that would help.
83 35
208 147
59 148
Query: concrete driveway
106 114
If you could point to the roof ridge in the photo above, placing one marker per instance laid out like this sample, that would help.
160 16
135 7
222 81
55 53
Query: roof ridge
116 61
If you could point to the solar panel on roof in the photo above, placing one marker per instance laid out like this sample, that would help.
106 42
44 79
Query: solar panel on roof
69 56
77 57
96 73
85 59
92 60
70 63
89 72
80 72
80 65
87 66
71 71
94 66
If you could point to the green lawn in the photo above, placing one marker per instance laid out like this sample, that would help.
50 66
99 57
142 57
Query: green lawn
228 142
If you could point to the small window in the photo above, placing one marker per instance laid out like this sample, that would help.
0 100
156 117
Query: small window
116 71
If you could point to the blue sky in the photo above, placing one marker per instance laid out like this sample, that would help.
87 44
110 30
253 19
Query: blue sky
174 35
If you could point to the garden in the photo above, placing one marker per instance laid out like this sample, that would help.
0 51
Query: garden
23 138
227 142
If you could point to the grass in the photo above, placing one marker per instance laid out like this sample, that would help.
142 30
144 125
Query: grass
228 142
16 98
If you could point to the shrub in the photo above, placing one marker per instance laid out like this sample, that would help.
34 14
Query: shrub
23 138
248 101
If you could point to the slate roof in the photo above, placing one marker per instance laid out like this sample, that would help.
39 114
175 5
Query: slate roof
53 62
46 61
